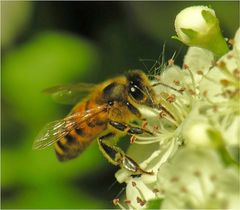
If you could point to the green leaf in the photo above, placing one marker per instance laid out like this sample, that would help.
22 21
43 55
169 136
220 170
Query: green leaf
48 59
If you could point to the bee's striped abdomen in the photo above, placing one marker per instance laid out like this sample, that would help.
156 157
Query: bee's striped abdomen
71 145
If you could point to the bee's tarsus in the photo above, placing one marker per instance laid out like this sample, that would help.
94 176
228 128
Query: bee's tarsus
117 157
128 128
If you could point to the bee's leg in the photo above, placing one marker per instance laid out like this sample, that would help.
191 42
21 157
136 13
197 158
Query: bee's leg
117 157
129 128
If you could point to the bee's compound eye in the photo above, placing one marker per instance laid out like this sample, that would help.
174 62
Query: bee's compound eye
110 103
136 92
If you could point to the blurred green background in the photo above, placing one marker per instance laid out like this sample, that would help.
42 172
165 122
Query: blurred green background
48 43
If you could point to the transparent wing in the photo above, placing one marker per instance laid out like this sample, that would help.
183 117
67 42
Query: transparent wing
69 94
56 130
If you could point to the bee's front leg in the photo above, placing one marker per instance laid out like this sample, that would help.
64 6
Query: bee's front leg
117 157
129 129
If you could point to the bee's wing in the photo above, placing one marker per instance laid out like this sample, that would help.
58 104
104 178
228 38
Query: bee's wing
56 130
69 94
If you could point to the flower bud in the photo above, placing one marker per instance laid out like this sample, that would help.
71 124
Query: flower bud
199 26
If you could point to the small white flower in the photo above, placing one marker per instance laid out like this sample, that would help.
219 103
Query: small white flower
197 179
199 108
167 124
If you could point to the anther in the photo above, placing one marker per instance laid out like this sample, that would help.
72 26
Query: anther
230 56
205 93
215 108
144 124
231 41
185 66
171 98
184 189
176 82
162 191
133 139
200 72
170 62
162 114
192 92
221 64
134 184
213 177
224 82
128 202
182 90
236 73
141 201
157 77
174 179
115 201
155 127
197 173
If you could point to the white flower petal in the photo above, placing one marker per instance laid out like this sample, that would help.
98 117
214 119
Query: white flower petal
199 61
196 179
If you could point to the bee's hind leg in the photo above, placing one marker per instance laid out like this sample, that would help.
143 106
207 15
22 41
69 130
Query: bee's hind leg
117 157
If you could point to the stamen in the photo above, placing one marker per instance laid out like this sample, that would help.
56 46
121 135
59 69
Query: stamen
171 98
141 201
134 184
176 82
165 85
231 41
224 82
128 202
170 62
174 179
115 201
236 73
144 124
155 190
185 66
184 189
170 109
213 177
222 66
198 174
133 139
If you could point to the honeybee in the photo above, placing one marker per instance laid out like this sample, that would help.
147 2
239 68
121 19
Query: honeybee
107 112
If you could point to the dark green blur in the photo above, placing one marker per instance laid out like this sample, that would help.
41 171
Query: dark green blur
49 43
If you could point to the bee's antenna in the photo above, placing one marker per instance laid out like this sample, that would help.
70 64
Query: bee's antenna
165 85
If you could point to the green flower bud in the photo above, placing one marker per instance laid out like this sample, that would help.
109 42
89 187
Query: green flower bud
199 26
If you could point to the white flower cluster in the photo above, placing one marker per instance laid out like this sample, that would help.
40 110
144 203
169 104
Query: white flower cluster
194 152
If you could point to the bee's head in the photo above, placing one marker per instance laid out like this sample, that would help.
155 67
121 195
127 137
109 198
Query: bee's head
139 88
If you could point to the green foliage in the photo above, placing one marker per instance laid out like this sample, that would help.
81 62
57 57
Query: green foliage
37 179
48 59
